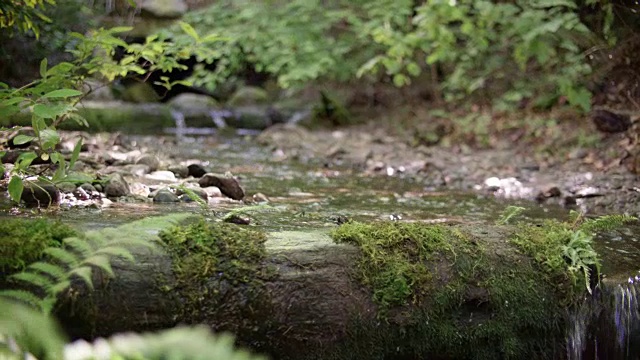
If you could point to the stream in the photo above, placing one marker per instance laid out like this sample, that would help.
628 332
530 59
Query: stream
311 195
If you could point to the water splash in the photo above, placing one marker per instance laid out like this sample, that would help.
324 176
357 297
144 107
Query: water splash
606 325
218 117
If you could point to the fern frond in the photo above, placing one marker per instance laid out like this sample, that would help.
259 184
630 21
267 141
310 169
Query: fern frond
80 246
32 331
58 288
85 273
57 272
100 261
197 343
116 251
64 257
606 223
81 254
35 279
23 296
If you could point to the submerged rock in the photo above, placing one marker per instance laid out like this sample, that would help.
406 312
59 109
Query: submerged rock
229 186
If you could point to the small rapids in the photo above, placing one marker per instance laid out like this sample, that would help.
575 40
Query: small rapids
606 325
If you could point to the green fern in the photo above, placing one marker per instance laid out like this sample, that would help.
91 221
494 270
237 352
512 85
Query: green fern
605 223
31 331
80 255
509 213
193 343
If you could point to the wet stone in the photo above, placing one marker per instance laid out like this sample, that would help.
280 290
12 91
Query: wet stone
196 170
165 196
162 175
137 169
40 195
116 186
151 161
238 219
229 186
179 171
198 191
66 187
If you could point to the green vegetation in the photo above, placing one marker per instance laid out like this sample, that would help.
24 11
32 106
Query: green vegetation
492 49
460 297
23 241
451 292
36 332
564 251
207 257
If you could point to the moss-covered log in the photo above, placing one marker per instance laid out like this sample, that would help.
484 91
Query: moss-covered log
378 291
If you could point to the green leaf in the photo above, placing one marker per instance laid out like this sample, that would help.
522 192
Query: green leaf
22 139
12 101
77 178
50 111
400 80
75 154
211 38
49 138
25 159
43 68
189 30
62 93
15 188
413 69
120 29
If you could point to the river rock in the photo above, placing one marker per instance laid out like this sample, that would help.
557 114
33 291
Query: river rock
193 103
164 8
229 186
198 191
150 160
212 192
40 195
137 170
248 95
66 187
162 175
116 186
139 93
179 171
165 196
196 170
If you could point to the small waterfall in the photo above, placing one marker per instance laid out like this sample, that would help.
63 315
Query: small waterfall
218 117
181 125
607 324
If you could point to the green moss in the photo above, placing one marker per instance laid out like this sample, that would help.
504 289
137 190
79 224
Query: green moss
22 241
210 259
446 294
565 255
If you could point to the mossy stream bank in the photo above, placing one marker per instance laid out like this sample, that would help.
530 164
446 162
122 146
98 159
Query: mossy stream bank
382 290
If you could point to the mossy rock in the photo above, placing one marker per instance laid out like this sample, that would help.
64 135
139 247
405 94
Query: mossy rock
215 262
453 293
140 93
247 96
22 241
109 117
